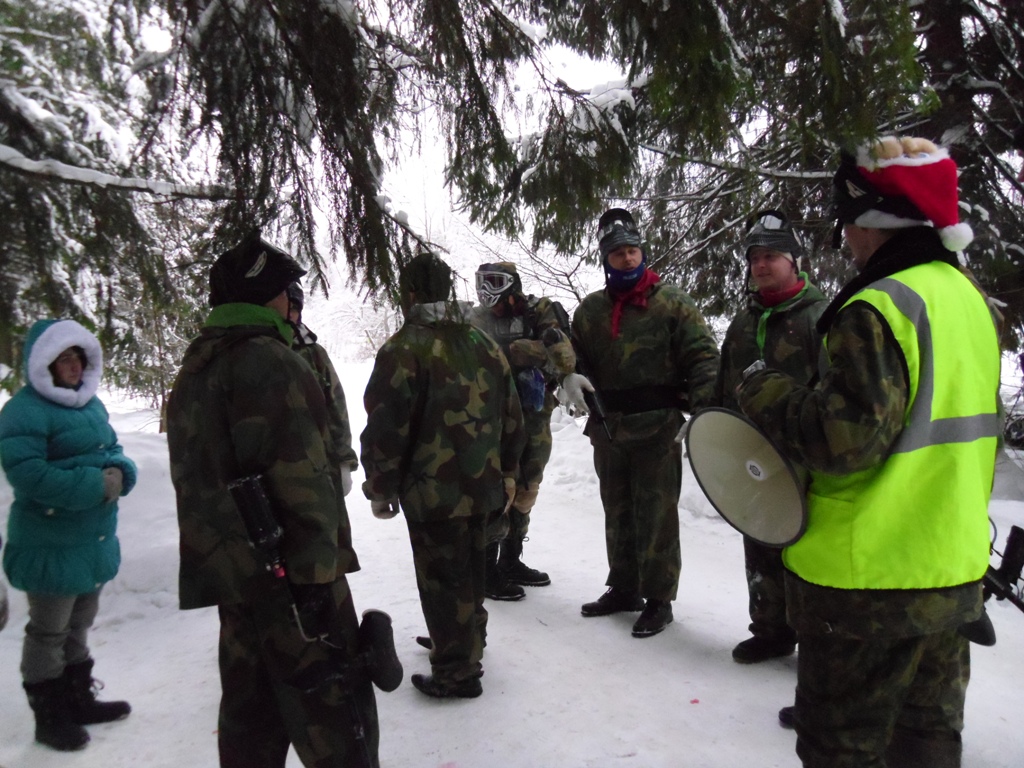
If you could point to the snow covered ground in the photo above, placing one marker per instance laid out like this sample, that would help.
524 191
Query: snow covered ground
560 691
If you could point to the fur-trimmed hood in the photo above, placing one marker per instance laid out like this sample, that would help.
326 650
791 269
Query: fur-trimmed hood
45 341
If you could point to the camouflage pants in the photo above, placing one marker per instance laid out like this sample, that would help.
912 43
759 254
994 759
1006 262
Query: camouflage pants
534 458
261 650
767 591
449 556
640 484
856 698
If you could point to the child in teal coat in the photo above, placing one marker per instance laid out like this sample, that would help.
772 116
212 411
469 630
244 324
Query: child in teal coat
67 470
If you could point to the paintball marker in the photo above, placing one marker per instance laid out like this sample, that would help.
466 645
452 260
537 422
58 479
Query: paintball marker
1003 581
594 400
376 655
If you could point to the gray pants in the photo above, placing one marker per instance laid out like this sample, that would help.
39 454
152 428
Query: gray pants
56 634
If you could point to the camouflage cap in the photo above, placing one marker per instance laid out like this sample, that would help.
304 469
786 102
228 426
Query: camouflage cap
252 272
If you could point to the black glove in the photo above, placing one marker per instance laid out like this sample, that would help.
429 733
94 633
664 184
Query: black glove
314 607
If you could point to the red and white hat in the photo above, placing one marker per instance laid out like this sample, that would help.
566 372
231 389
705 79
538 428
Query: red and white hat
902 182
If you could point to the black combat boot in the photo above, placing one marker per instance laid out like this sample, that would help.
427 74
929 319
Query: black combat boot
514 569
50 701
469 688
496 586
82 689
656 616
758 648
615 600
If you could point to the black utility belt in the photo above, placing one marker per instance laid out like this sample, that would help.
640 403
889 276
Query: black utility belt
642 399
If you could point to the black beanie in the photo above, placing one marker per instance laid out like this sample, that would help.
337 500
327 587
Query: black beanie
252 272
427 276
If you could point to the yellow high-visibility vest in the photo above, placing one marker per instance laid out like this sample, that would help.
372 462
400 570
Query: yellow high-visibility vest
918 520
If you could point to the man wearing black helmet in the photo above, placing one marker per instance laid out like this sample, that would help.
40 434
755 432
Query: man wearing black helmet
649 353
243 406
532 333
777 328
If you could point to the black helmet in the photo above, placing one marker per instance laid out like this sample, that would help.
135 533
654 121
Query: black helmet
495 282
615 229
252 272
771 229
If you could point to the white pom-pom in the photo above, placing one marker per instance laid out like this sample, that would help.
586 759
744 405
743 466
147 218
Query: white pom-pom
956 237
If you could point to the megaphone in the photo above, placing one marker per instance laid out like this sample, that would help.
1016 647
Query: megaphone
756 489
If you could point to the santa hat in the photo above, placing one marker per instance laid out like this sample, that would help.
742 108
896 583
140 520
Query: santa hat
901 182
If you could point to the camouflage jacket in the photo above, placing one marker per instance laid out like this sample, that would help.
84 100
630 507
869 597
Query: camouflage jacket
783 336
663 361
444 425
848 422
245 404
339 450
519 336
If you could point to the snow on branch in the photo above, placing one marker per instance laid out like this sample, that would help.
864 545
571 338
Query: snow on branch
54 170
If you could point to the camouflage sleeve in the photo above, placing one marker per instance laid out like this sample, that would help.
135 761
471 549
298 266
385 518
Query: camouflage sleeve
280 429
389 400
697 353
513 434
724 396
337 416
851 418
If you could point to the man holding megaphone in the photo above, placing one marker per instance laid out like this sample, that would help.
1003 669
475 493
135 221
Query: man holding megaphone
777 326
900 438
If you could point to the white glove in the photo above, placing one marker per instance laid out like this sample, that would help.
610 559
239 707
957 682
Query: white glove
571 392
681 434
346 479
384 510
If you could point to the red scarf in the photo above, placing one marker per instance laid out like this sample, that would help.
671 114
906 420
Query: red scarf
774 298
637 295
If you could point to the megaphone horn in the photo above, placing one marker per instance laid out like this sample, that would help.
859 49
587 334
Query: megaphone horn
751 484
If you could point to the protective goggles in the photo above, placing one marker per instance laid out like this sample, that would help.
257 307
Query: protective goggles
491 286
627 226
767 221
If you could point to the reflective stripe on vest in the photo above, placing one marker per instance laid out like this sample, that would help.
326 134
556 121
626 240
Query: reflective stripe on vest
921 430
919 519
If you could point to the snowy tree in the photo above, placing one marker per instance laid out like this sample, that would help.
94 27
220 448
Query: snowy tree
77 237
127 170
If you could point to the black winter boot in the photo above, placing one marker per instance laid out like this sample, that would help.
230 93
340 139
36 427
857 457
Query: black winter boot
50 701
496 586
757 649
82 689
514 569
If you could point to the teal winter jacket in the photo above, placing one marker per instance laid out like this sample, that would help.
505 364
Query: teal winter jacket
54 445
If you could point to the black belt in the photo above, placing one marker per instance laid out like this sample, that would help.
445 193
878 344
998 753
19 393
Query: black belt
641 399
